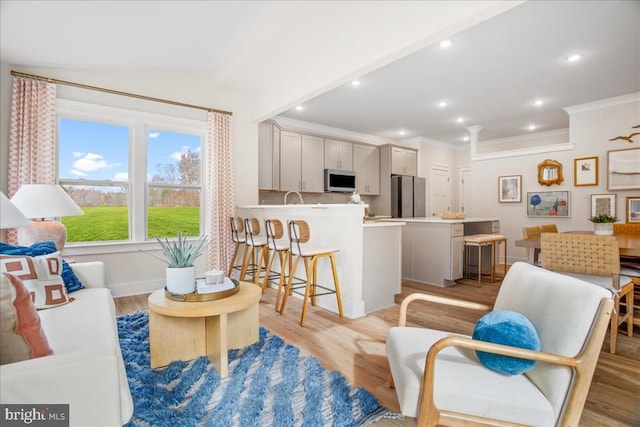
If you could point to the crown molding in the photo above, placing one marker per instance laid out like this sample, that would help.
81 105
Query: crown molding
603 103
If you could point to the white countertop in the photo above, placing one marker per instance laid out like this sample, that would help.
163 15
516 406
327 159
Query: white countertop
372 224
436 220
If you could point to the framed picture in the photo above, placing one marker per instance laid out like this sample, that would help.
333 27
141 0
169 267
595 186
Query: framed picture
510 189
548 203
633 210
585 171
603 204
623 169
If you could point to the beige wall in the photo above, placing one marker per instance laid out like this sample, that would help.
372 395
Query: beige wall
591 127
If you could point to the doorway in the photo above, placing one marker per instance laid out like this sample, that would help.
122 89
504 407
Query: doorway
439 190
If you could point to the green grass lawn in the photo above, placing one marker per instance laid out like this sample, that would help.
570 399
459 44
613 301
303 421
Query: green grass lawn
111 223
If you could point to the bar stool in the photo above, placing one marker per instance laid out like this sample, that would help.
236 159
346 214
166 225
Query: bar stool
275 232
480 241
255 243
299 233
238 238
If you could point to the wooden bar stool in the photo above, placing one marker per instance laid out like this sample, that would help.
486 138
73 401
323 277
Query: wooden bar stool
480 241
238 238
299 235
255 243
275 232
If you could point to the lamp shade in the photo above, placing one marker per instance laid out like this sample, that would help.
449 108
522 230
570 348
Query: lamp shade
10 216
45 201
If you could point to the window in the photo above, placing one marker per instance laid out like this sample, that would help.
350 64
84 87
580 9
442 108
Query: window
173 189
135 175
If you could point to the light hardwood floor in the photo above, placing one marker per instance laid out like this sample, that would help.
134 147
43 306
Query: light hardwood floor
356 348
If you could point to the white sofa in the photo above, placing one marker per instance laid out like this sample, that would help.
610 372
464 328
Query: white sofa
86 370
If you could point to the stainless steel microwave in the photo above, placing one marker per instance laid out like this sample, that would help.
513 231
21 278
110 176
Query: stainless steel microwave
339 181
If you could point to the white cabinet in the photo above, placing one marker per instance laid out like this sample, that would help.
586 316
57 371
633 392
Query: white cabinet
300 169
366 164
433 252
268 156
338 155
312 170
404 161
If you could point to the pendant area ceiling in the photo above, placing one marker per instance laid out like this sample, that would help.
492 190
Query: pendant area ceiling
491 75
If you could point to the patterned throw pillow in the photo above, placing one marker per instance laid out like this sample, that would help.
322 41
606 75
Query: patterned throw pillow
40 275
71 281
21 333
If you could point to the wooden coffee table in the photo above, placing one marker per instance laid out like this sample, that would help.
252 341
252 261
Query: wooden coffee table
186 330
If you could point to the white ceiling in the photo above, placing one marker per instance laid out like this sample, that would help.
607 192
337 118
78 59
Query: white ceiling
490 74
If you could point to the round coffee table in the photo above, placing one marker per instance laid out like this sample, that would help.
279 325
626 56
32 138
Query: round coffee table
186 330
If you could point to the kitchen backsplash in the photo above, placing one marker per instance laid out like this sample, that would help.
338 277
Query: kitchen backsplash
277 198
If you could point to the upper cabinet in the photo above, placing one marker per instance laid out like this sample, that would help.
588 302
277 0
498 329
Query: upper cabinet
338 155
366 164
404 161
268 156
300 169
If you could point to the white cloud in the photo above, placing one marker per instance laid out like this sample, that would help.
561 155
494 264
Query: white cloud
77 172
154 134
77 154
183 150
91 162
121 176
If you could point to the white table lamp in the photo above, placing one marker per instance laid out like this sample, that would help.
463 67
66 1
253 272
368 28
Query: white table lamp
10 216
43 202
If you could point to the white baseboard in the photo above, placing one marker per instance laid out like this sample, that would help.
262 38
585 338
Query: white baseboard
135 288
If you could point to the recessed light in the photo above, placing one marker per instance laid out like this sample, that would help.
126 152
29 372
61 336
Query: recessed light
299 108
403 132
460 120
466 138
445 44
442 104
575 57
355 83
531 127
538 102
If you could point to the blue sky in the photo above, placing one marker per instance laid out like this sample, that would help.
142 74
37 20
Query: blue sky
98 151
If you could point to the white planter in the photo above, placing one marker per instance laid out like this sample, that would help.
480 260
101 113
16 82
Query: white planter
603 229
181 280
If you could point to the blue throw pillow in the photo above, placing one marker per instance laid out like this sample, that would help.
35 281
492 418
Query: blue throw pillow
508 328
71 281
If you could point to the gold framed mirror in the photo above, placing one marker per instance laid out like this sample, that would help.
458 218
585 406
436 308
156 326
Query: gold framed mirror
550 172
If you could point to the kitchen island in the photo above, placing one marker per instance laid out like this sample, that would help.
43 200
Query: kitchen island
369 257
433 248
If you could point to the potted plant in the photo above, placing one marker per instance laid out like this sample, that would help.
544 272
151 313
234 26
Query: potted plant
180 255
603 224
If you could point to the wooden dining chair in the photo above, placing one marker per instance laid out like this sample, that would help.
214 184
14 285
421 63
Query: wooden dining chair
630 266
548 228
594 259
626 228
530 233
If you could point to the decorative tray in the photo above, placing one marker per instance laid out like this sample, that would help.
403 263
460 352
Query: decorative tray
232 287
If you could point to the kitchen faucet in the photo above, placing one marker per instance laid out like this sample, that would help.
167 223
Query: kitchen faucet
299 196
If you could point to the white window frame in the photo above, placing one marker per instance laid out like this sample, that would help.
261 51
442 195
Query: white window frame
138 122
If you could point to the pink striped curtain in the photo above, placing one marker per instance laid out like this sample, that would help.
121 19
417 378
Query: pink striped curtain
32 139
219 203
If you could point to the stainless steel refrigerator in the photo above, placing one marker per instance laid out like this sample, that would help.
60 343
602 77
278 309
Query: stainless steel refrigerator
407 196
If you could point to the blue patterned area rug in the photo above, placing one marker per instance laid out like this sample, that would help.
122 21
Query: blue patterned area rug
270 384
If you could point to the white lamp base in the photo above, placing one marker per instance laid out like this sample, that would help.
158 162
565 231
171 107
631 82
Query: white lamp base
40 231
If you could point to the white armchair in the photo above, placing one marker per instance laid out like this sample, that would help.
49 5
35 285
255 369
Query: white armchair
439 379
